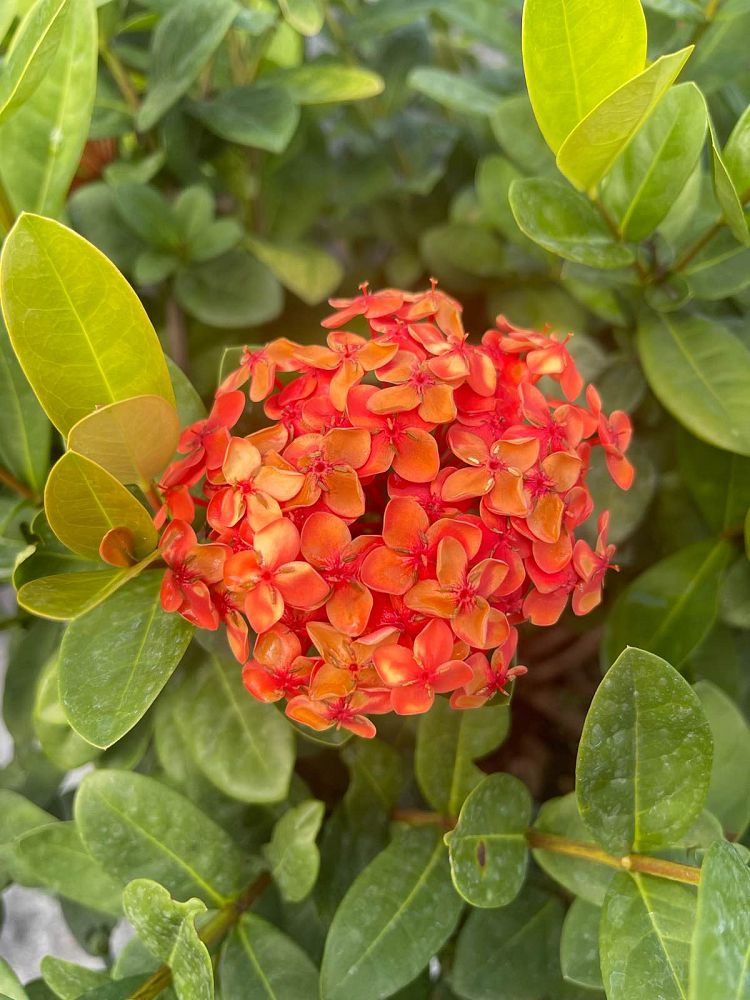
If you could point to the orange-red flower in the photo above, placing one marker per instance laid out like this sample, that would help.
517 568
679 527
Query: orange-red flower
244 486
400 440
330 463
349 357
190 569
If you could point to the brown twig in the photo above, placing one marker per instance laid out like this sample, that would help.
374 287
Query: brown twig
9 480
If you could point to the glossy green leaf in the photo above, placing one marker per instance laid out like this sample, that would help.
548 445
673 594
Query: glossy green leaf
311 273
654 168
232 290
718 481
10 984
737 154
25 432
244 747
588 153
720 955
260 116
167 928
292 853
515 128
671 607
729 791
579 945
396 915
189 404
115 660
330 83
574 56
93 213
727 194
259 962
627 507
644 939
68 980
453 91
720 269
488 851
564 222
134 439
146 211
31 53
516 946
62 299
83 502
137 827
41 146
644 760
448 743
183 42
305 16
66 596
45 555
64 747
58 860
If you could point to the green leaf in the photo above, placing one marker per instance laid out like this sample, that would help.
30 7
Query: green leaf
25 432
137 827
69 595
515 128
720 955
244 747
305 16
564 222
292 854
727 194
737 153
718 481
10 984
396 915
311 273
448 743
68 980
167 928
18 815
231 291
329 83
62 299
183 42
147 212
58 860
134 439
721 269
83 502
588 153
644 939
64 747
644 760
729 791
516 946
94 214
647 179
42 144
488 851
573 58
31 53
671 607
261 116
453 90
579 945
259 962
734 601
115 660
189 404
494 176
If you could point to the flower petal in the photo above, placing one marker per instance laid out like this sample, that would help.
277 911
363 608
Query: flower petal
545 519
466 483
323 538
412 699
387 571
451 675
264 606
428 598
404 524
395 665
301 586
349 607
277 543
417 458
434 644
343 493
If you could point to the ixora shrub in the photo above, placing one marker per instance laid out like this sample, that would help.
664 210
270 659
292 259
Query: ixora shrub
401 670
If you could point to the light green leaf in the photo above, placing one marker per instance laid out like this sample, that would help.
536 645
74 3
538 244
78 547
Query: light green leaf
453 90
593 146
167 928
58 860
62 299
137 827
671 607
233 290
292 854
720 955
68 980
311 273
41 146
700 373
579 945
644 938
134 439
31 53
488 851
305 16
644 760
516 946
83 502
729 791
575 55
115 660
648 178
10 984
329 83
189 404
18 815
395 916
64 747
244 747
448 743
726 193
261 116
183 42
564 222
259 962
737 154
69 595
25 432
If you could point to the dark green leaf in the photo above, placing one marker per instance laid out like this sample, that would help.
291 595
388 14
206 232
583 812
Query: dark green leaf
230 291
729 791
734 602
259 962
579 945
60 743
25 432
726 193
292 854
719 483
68 980
264 117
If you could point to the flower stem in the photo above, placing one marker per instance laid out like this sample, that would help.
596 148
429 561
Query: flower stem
9 480
120 75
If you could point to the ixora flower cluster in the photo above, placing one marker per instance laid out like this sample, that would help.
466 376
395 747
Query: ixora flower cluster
413 499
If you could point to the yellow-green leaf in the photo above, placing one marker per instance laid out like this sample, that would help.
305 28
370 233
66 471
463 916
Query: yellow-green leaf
594 145
32 50
83 502
726 192
79 330
66 596
305 16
